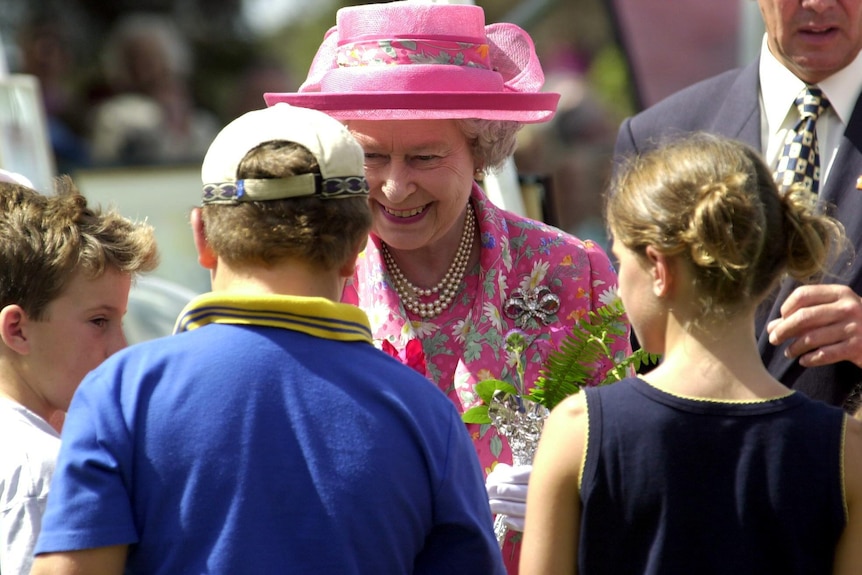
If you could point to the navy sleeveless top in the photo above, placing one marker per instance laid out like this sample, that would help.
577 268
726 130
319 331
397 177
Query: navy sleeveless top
674 485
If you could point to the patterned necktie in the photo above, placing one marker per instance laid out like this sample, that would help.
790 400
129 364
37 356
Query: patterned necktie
799 160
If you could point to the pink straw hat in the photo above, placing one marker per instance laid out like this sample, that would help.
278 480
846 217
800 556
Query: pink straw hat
416 61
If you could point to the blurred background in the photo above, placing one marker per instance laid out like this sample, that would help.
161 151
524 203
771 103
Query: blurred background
126 96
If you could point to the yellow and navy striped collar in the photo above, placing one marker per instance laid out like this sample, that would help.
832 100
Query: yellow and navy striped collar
315 316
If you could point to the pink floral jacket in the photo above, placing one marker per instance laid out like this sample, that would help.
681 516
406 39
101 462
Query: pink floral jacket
522 261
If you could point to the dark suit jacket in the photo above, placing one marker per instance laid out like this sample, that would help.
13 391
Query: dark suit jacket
729 105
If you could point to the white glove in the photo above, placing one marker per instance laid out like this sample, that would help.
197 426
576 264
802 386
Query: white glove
507 493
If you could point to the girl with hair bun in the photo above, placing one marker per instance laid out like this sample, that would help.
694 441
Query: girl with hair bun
707 461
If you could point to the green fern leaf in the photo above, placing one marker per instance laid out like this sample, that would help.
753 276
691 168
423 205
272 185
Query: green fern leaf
569 368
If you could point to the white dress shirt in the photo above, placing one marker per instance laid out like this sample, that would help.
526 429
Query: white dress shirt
778 90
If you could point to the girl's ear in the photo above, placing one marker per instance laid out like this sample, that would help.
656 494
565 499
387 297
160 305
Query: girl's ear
662 271
13 329
206 257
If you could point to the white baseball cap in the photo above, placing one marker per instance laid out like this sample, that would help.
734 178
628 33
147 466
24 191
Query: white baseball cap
339 155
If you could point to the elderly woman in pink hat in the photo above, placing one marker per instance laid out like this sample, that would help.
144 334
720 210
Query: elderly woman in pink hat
436 98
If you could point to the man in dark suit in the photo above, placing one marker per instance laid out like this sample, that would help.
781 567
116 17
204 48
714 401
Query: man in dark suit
810 337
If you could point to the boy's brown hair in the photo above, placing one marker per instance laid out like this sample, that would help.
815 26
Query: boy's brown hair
319 232
46 239
285 183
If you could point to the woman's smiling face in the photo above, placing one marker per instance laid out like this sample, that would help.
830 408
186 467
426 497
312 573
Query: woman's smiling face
420 173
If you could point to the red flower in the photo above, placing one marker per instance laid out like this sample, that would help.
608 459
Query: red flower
412 355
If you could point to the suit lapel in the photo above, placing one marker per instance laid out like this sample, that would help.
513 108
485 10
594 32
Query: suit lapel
738 116
847 167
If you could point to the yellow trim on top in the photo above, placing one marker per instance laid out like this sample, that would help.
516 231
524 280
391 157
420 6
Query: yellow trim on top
721 401
842 470
586 443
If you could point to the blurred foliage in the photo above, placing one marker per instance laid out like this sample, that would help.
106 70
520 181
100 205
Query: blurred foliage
610 78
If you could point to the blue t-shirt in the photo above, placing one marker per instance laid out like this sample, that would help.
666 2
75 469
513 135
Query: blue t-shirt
680 485
273 437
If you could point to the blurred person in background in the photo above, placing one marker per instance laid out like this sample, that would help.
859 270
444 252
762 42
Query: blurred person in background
261 74
150 115
47 50
570 156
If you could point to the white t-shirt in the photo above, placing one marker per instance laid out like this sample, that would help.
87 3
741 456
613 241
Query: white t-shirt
28 452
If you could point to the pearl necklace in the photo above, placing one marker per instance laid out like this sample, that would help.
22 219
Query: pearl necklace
446 288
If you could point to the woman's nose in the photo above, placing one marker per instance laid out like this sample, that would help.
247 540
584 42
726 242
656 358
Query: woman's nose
398 184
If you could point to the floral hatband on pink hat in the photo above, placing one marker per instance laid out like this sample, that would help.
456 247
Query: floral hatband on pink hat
409 60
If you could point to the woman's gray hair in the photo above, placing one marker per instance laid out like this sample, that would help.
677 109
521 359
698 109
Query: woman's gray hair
491 141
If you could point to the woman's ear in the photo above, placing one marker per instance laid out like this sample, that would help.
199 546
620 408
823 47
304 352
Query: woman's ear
206 257
13 329
662 271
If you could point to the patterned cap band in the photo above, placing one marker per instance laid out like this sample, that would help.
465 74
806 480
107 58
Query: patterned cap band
389 52
280 188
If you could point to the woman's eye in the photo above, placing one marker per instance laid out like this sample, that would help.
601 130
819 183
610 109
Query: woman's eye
375 159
